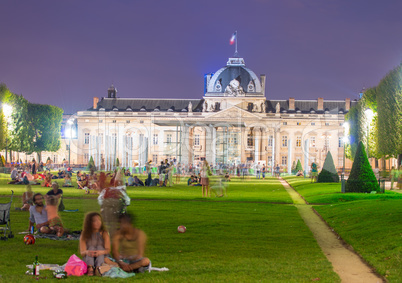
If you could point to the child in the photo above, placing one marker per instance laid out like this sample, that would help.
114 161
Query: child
94 242
55 224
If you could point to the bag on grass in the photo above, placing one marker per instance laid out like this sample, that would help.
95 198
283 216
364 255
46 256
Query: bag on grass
75 266
61 205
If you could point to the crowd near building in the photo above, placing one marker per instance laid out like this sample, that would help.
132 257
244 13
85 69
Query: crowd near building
234 123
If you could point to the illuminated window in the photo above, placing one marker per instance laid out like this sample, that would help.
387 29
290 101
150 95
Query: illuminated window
298 123
250 140
298 141
284 141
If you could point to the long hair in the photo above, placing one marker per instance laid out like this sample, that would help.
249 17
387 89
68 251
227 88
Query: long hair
87 226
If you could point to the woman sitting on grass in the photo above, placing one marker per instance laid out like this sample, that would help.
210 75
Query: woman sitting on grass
94 242
48 180
67 181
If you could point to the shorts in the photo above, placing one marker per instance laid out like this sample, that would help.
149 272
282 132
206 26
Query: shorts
204 181
55 222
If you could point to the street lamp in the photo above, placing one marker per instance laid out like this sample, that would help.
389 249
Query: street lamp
69 133
345 141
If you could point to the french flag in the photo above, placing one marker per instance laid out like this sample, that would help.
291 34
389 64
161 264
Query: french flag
233 38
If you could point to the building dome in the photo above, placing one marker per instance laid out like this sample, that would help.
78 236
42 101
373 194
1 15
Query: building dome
234 80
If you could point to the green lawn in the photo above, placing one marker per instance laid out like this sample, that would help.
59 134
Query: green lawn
250 235
370 223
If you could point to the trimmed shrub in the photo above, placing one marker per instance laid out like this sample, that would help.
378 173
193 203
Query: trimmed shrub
117 163
328 173
299 166
362 178
91 165
2 161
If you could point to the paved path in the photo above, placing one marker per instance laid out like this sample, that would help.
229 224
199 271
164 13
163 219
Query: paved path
349 266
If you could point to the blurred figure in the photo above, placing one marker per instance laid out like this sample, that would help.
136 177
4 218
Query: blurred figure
27 198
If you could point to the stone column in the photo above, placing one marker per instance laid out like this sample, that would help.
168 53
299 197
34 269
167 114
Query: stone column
184 143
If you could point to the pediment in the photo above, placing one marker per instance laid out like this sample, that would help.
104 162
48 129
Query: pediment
233 113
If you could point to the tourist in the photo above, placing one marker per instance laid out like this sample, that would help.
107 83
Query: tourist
314 172
94 242
264 171
38 215
129 246
55 224
148 170
14 174
227 177
27 198
258 170
67 181
47 181
130 181
138 182
277 171
205 172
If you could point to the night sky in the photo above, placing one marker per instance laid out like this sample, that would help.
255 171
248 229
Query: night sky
66 52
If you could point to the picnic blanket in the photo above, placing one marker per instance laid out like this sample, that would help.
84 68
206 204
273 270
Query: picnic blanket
72 236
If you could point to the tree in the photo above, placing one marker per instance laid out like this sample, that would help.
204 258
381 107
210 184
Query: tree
117 163
361 178
299 166
328 173
389 99
45 121
91 165
294 171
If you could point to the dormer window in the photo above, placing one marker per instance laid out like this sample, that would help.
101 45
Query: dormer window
326 111
157 109
312 111
143 109
115 108
218 86
250 86
129 108
184 110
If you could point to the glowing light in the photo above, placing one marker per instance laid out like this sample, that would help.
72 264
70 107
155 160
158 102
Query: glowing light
7 110
369 115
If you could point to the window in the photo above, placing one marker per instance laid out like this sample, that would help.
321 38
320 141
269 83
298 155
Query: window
114 121
128 121
340 142
196 157
298 141
55 158
312 124
169 138
270 141
326 143
86 138
326 124
197 140
312 141
155 139
298 123
269 160
284 141
284 160
250 140
100 121
155 159
86 157
285 123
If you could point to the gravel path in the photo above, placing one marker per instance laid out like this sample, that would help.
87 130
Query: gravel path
346 263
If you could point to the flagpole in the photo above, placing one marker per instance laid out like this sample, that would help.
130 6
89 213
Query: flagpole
236 38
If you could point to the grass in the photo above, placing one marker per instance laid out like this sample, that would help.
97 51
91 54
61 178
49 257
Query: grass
250 235
370 223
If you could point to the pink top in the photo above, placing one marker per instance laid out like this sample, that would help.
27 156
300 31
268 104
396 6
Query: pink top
51 211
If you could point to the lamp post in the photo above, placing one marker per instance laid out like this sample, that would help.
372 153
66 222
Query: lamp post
70 123
345 141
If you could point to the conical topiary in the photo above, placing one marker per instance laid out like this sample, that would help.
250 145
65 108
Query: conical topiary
294 168
117 163
91 165
299 166
361 178
328 173
1 161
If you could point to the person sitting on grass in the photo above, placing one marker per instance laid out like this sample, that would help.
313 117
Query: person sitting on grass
138 182
314 172
227 177
299 173
38 215
27 198
129 246
67 181
48 180
94 242
55 224
130 181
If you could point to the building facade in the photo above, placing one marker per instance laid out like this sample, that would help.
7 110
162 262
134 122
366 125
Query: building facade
232 123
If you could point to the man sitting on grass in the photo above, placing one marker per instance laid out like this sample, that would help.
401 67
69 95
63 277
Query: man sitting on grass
38 215
129 246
